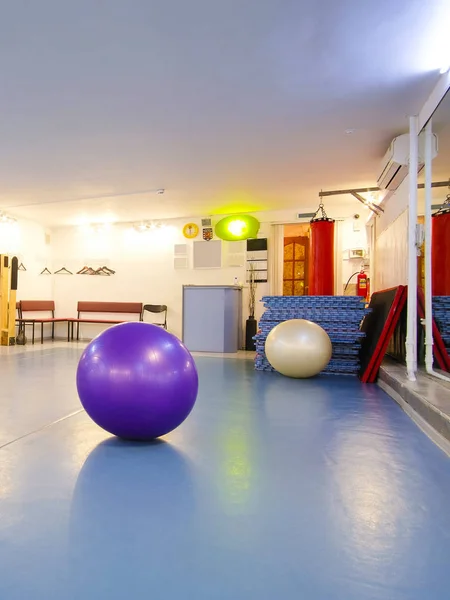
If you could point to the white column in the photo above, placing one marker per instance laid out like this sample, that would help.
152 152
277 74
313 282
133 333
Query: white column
411 336
428 291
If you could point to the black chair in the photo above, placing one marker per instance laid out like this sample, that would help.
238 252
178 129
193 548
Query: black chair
158 308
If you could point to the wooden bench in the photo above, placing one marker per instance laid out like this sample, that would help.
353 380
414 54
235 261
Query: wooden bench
95 308
40 306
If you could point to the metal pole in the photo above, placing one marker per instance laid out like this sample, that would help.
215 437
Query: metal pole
323 194
340 192
411 335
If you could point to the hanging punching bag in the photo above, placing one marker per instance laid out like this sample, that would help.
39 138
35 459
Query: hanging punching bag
321 255
440 250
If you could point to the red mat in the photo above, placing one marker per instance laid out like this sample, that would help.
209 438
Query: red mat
386 308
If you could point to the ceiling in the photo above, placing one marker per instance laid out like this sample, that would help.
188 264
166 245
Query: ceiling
229 105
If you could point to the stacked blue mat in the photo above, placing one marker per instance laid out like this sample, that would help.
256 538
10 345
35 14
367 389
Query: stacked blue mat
441 314
340 316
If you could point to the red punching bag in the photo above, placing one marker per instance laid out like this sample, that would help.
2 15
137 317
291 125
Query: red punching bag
440 250
321 255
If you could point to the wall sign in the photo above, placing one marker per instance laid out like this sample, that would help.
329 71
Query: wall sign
207 234
190 231
207 256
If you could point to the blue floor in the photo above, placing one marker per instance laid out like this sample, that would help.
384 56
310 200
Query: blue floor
272 489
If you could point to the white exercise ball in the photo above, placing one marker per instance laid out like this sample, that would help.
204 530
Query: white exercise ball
298 348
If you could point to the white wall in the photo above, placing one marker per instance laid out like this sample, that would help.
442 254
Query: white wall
144 266
393 207
392 254
27 240
353 236
392 241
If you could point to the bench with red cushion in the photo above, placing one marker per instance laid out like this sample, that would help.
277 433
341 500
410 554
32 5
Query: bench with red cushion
40 306
90 309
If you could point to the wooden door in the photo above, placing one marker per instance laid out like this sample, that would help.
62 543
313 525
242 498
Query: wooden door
295 266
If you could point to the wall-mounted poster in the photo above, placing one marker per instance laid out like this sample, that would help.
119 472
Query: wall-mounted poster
190 231
208 256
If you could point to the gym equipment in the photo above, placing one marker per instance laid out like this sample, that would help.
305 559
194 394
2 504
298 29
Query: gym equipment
8 299
339 316
12 307
298 348
441 314
321 254
439 349
440 250
385 310
387 320
4 297
397 346
137 381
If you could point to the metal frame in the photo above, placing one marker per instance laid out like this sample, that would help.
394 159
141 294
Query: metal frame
24 322
153 308
375 208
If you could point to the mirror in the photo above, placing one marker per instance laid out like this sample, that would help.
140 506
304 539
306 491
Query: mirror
441 164
440 173
435 251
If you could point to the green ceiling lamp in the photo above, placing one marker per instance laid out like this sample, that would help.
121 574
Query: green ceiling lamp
237 227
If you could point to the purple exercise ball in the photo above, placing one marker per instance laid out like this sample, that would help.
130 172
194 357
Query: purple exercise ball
137 381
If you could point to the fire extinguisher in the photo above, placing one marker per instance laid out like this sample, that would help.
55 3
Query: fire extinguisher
362 284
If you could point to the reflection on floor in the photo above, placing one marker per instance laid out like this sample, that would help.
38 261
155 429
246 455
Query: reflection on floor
273 488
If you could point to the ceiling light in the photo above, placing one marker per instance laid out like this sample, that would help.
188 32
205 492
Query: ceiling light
234 228
6 219
141 226
100 227
237 227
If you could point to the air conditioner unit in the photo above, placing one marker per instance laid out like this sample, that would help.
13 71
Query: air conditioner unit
395 165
